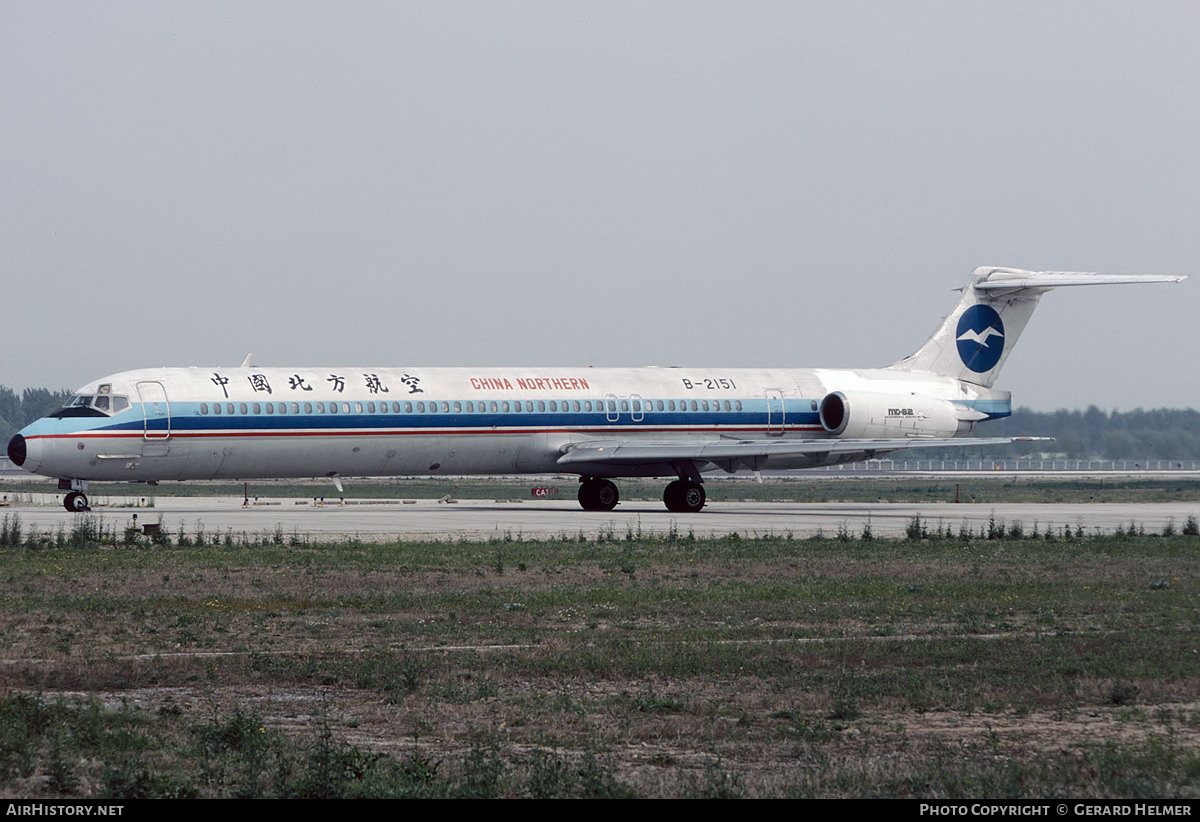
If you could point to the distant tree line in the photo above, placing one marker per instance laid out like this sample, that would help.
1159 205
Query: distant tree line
18 410
1157 433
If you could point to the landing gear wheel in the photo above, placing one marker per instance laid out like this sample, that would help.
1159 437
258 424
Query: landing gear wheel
76 502
684 497
598 495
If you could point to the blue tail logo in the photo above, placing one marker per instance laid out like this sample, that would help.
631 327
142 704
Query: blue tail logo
980 338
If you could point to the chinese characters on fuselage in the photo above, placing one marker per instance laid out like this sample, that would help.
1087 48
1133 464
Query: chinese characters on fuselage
337 383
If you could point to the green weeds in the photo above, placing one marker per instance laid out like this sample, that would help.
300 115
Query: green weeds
72 749
638 664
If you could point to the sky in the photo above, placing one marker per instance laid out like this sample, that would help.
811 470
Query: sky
692 183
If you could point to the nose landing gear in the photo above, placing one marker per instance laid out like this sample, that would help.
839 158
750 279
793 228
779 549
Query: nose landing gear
76 501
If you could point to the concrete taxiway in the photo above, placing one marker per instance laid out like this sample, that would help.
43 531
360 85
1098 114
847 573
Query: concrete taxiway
475 519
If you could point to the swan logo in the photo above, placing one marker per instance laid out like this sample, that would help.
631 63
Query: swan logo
980 338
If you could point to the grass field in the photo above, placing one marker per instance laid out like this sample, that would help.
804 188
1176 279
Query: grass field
946 666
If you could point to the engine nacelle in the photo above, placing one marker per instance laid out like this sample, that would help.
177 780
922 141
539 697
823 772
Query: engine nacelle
867 415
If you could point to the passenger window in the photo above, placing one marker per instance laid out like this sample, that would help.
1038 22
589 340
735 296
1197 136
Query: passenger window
333 409
270 408
229 407
216 408
283 408
308 408
457 407
256 408
243 408
408 408
320 408
204 409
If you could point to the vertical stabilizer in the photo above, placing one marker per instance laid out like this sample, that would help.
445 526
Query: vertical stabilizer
974 340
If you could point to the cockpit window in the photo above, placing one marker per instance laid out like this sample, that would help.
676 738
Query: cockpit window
93 405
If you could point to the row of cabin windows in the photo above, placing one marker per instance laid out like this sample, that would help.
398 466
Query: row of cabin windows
611 406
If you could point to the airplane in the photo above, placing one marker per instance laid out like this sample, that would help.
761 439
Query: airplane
599 423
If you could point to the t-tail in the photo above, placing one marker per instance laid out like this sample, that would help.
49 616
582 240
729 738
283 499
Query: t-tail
973 342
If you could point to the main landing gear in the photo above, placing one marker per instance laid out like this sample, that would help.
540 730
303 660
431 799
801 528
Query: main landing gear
681 497
684 497
598 495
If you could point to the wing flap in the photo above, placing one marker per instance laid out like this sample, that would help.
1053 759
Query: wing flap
626 452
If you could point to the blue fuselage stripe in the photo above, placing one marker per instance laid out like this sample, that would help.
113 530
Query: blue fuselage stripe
186 420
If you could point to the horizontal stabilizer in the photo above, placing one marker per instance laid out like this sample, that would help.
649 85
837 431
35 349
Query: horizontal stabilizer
1001 281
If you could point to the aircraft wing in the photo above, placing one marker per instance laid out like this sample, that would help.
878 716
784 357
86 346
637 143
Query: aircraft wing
732 454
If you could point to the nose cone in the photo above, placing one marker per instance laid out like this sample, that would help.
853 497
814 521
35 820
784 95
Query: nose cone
25 453
16 450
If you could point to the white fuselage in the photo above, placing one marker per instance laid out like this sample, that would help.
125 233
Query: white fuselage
242 423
